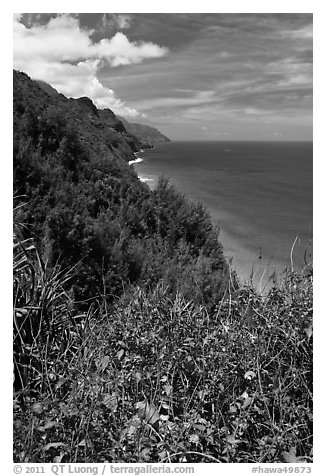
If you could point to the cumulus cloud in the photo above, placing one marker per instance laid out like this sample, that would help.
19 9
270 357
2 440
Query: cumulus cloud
113 20
123 21
64 55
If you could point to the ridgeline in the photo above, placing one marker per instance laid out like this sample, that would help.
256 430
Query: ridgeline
86 207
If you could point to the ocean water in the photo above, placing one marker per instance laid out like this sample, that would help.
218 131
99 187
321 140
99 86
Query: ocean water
260 195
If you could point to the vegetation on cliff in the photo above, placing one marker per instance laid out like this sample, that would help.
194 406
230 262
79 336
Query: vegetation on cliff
147 135
133 342
85 206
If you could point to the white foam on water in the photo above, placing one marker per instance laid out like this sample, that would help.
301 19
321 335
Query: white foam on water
136 161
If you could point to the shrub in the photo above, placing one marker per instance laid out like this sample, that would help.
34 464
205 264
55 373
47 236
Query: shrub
164 380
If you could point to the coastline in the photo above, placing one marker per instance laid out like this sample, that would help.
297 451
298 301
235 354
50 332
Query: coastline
257 250
138 160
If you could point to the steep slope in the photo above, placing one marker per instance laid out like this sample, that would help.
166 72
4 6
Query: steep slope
137 135
50 90
106 118
148 136
84 206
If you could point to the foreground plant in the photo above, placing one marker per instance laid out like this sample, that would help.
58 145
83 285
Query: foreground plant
162 380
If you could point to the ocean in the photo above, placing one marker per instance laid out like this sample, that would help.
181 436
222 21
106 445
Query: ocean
259 194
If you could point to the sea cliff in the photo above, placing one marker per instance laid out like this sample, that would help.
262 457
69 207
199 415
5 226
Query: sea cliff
133 342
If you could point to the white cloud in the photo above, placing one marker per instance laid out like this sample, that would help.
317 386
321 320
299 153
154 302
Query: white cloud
303 33
294 73
197 98
123 21
112 20
118 50
63 54
80 80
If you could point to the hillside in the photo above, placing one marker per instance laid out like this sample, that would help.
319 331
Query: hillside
85 203
143 135
148 136
133 342
50 90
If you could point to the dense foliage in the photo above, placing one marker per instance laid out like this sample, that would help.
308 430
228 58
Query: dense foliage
132 341
85 206
147 135
161 379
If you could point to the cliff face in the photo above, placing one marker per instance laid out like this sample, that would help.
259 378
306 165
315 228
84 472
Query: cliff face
148 136
85 207
50 90
136 135
111 120
100 130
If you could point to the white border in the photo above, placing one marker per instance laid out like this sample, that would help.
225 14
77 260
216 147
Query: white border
204 6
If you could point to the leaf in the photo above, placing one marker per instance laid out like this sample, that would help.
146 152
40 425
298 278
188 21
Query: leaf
105 362
50 424
54 445
60 382
122 345
200 427
37 408
131 430
111 401
247 402
249 375
133 424
138 377
58 459
167 389
145 454
308 331
120 354
194 439
290 456
232 440
148 412
162 455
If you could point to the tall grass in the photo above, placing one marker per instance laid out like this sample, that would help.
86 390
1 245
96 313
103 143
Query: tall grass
157 377
45 326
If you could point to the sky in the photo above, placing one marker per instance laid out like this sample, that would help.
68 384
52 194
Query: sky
193 76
